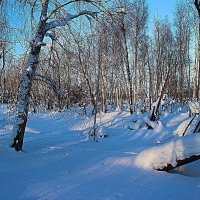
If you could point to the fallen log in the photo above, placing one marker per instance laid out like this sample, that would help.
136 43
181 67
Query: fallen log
180 163
165 157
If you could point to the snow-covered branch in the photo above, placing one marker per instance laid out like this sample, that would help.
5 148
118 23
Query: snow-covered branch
67 18
52 35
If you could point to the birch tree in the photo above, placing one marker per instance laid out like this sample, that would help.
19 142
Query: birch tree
47 22
126 62
3 46
139 19
182 44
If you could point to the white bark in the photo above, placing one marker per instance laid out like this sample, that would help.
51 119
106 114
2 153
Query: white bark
24 96
26 84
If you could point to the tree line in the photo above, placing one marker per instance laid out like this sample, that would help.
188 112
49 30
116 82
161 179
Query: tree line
100 54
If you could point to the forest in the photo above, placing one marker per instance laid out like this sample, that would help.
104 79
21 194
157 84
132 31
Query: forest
106 84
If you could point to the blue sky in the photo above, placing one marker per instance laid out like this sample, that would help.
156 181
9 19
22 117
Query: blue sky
157 8
162 8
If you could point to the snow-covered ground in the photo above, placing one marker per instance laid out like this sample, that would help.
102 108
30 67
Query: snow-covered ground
60 161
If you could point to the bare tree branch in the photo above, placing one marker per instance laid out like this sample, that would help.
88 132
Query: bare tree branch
65 4
48 80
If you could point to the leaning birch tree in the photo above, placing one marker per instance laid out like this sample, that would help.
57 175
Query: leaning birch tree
47 22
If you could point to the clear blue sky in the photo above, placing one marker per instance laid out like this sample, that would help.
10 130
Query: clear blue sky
162 8
157 8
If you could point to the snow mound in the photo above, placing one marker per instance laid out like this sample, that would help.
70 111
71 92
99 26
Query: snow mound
160 156
150 123
103 132
134 118
135 126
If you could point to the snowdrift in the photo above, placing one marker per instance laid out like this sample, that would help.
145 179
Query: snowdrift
171 154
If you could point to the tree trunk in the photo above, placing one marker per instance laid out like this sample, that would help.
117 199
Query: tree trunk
23 103
197 5
25 90
155 108
130 82
2 75
104 107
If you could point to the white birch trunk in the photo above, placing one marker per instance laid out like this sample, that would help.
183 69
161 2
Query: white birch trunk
26 84
24 99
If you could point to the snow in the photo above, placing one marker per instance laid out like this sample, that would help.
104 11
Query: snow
160 156
149 122
60 161
135 125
